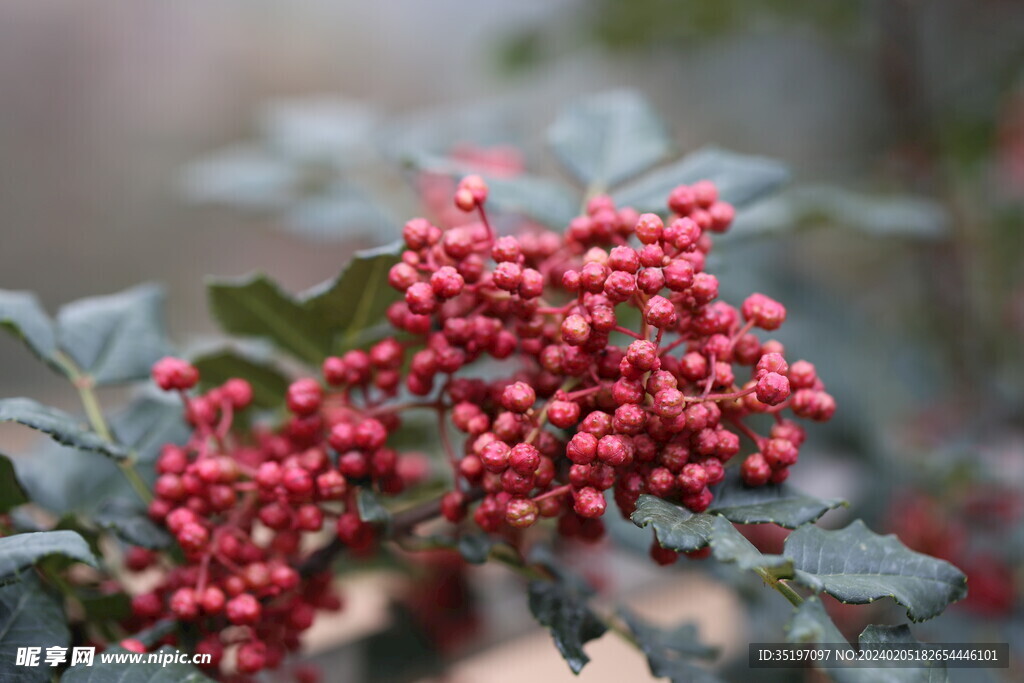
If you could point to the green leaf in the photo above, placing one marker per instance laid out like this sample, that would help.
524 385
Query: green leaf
740 179
308 325
11 492
115 338
884 216
29 617
562 607
21 551
856 565
131 524
669 651
775 504
358 297
256 306
371 510
676 528
23 315
476 548
62 427
606 138
338 213
811 624
104 606
729 545
543 200
64 479
134 673
74 523
873 635
149 636
268 383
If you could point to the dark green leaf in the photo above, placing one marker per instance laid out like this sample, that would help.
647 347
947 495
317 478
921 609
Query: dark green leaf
729 545
811 624
676 528
147 423
131 524
104 606
268 383
22 314
562 607
21 551
149 636
115 338
606 138
371 509
856 565
775 504
476 548
72 522
740 179
884 216
134 673
337 214
11 493
358 297
933 672
62 427
543 200
669 651
29 617
65 479
255 306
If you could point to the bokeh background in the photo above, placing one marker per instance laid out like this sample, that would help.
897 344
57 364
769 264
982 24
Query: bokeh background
158 141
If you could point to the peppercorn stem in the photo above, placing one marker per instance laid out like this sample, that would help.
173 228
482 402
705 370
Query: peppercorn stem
751 434
729 397
558 491
630 333
84 384
542 418
783 588
487 223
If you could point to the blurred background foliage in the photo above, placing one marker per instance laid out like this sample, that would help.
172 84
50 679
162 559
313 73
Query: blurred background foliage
152 141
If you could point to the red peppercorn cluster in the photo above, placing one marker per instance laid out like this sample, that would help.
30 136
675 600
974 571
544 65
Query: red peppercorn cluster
620 370
244 507
626 364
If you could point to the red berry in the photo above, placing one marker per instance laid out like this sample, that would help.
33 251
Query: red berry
133 645
663 556
184 604
304 396
331 485
243 610
772 389
252 657
521 513
212 600
524 458
453 506
755 471
518 397
575 330
588 502
175 374
446 282
693 478
766 313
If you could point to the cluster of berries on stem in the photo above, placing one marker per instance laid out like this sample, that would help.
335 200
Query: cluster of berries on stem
619 370
625 368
